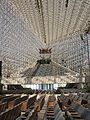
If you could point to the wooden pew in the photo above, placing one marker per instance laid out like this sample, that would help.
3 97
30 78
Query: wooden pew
5 97
11 114
72 109
32 108
8 99
11 104
50 108
40 102
3 107
21 99
31 101
31 111
5 101
30 114
26 102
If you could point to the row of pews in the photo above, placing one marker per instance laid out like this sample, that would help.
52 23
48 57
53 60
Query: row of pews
40 102
76 106
33 107
53 112
20 107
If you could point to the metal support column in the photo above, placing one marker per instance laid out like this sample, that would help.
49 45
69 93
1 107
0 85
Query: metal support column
0 71
88 73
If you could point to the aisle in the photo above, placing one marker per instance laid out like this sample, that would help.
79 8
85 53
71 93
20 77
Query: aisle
42 112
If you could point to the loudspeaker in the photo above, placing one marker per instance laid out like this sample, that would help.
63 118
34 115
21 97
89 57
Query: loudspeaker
0 69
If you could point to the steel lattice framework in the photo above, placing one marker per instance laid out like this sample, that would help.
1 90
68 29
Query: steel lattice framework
53 20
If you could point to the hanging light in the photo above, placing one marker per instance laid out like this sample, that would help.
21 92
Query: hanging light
67 3
81 35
